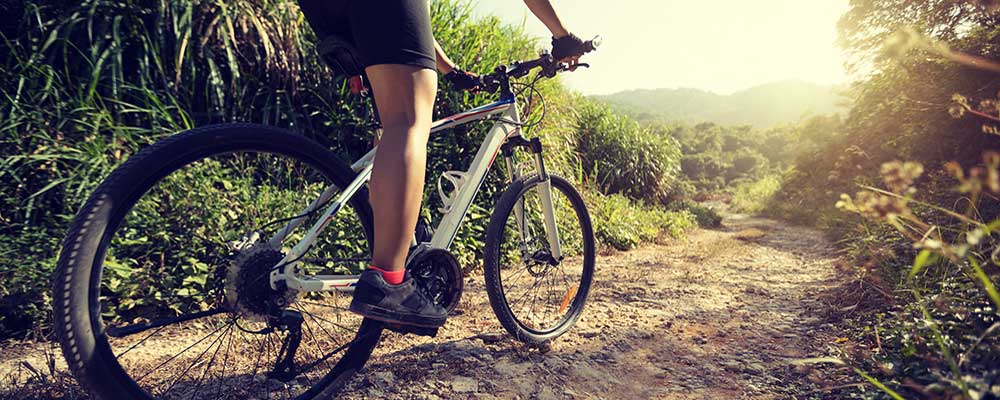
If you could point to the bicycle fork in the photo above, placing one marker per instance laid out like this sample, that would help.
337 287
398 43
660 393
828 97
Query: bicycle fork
544 193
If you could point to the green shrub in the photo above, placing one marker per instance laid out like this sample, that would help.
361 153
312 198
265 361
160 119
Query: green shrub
27 268
624 224
754 196
622 156
705 216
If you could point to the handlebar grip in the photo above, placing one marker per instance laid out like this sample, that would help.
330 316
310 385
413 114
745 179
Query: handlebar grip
593 44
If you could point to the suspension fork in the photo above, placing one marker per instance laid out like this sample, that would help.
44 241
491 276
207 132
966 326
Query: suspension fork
544 192
515 174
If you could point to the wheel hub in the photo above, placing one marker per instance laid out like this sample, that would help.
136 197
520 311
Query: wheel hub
539 262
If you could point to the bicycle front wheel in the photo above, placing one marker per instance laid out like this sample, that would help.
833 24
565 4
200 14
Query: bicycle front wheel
536 295
162 287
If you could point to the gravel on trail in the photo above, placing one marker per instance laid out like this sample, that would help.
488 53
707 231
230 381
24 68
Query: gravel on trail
719 314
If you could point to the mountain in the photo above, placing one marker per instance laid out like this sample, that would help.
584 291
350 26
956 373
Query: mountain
761 106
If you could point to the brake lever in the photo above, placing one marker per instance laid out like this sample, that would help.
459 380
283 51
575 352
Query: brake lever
566 68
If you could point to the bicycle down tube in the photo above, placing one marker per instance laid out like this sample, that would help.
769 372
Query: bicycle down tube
507 125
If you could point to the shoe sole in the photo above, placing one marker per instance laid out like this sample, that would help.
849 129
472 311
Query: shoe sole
393 317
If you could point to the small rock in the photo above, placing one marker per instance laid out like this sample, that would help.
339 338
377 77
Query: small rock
590 333
755 369
464 384
731 365
464 346
546 394
555 363
491 337
382 379
543 347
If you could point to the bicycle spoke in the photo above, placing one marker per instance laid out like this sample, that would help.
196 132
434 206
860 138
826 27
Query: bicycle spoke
154 369
122 331
256 364
188 368
194 394
519 274
225 362
151 334
318 318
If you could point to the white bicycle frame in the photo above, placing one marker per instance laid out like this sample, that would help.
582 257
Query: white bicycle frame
508 125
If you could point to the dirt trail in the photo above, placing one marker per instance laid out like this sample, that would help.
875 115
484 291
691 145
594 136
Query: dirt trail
717 315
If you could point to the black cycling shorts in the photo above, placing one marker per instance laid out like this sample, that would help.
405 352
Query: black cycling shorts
382 31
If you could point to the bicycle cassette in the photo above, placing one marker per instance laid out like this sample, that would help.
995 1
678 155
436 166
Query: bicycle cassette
438 274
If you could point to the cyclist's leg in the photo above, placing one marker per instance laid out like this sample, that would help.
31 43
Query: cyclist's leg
404 95
397 47
395 42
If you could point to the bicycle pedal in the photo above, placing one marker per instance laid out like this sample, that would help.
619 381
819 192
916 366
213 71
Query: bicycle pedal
410 329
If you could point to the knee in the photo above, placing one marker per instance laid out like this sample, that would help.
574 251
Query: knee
406 123
409 135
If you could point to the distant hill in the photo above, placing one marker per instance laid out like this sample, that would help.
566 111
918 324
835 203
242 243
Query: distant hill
761 106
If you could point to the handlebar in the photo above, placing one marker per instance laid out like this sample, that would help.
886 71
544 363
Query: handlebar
500 78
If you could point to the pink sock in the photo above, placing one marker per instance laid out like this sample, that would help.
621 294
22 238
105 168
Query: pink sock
391 277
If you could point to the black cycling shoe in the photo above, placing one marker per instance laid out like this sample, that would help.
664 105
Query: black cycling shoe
397 304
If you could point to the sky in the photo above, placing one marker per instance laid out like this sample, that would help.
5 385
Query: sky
721 46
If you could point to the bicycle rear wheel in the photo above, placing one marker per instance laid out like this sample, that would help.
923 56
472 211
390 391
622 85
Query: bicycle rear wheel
537 297
162 291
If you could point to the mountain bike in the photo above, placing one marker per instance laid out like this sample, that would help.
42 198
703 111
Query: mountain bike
219 262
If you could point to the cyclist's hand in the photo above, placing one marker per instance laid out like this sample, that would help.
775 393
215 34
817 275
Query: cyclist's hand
463 80
568 49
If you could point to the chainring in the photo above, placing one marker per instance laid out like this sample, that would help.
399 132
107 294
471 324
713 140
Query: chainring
438 275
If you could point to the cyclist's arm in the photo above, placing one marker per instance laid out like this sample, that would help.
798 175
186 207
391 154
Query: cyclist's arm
444 64
544 11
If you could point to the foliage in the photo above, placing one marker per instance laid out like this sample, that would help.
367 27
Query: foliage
720 158
951 294
706 216
623 225
754 196
624 157
928 252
